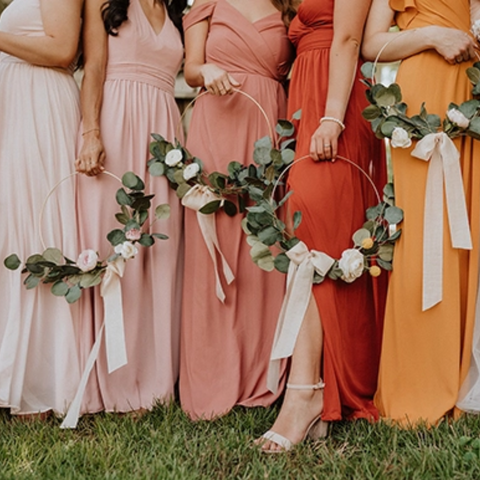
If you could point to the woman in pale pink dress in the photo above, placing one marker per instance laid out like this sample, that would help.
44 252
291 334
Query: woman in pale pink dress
225 347
132 52
39 119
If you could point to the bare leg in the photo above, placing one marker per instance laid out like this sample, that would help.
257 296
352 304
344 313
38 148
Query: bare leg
300 407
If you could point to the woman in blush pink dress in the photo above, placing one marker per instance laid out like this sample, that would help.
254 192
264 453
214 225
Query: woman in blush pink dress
225 346
133 51
39 119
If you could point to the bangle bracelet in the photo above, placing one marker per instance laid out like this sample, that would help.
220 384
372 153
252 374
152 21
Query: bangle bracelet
333 119
91 130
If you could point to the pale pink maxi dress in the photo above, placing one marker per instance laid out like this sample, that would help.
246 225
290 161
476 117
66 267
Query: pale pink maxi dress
225 348
138 100
39 118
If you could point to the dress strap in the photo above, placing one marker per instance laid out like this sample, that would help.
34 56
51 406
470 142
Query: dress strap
198 14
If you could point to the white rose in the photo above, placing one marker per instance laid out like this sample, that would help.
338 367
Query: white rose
458 118
87 260
126 250
400 138
191 171
352 265
173 157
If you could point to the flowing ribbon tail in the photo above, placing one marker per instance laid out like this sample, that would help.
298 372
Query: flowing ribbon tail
113 325
444 168
196 198
209 232
302 266
73 414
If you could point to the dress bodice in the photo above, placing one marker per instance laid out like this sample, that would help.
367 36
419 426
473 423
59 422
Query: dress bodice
238 45
313 26
138 53
22 17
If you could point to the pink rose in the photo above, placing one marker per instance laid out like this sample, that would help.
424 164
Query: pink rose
133 234
87 260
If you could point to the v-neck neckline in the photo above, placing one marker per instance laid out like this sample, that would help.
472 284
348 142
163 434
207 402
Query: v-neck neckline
148 21
246 19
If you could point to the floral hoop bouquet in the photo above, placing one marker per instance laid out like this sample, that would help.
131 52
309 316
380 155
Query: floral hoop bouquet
68 277
388 116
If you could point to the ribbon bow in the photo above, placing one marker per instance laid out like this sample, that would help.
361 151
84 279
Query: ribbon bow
196 198
303 265
444 167
111 291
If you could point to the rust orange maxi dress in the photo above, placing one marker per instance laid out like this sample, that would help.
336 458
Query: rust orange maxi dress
225 348
333 198
425 355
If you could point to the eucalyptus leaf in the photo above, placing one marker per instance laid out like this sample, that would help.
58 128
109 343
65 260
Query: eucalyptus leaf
297 219
53 255
268 235
367 69
74 293
115 237
182 190
132 181
12 262
360 235
259 250
266 263
210 207
385 265
156 169
229 208
473 74
385 252
59 288
90 279
162 212
288 156
160 236
284 128
122 218
146 240
282 262
297 115
31 281
393 215
122 197
178 176
261 153
469 108
371 113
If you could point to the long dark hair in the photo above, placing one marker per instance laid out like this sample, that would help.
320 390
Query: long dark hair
288 9
114 13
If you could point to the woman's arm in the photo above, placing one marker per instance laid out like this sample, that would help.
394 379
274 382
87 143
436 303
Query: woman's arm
61 22
453 45
474 10
349 20
197 72
95 42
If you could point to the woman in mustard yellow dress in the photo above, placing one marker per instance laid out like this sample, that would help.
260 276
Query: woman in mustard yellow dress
426 346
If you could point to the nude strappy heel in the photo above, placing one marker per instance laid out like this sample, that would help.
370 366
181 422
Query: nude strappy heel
316 430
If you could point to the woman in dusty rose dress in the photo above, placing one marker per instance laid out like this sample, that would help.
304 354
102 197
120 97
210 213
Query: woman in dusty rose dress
225 346
124 100
39 118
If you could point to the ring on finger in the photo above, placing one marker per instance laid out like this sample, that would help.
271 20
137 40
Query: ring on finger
327 145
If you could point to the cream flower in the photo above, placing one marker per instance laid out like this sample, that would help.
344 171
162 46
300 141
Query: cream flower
126 250
352 264
87 260
458 118
173 157
191 171
400 138
476 29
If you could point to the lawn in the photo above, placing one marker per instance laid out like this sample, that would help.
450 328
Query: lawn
164 444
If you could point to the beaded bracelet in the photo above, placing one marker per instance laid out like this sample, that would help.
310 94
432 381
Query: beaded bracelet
333 119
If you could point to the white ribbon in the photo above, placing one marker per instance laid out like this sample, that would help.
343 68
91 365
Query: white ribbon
196 198
444 166
303 264
111 291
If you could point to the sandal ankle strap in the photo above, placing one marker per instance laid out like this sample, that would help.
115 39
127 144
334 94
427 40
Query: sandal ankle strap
317 386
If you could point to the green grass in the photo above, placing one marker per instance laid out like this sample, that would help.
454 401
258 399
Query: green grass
164 444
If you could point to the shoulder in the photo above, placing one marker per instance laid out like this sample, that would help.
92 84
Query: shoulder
199 3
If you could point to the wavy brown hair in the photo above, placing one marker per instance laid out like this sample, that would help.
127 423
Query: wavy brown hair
288 9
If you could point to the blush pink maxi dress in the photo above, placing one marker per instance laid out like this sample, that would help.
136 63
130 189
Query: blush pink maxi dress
138 100
39 119
225 348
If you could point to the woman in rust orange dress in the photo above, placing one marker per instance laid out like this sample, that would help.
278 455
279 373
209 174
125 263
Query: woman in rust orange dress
339 340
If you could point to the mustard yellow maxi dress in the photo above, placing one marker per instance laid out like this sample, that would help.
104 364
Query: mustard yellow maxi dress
425 355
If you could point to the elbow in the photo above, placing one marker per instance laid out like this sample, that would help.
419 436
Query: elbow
368 51
65 57
192 76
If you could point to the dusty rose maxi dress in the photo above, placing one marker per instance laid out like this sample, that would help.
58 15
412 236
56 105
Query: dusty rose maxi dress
225 348
138 100
39 118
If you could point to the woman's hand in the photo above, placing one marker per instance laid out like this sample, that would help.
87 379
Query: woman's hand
455 46
324 142
92 155
216 80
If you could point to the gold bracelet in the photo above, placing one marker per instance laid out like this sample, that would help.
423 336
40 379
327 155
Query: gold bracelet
91 130
333 119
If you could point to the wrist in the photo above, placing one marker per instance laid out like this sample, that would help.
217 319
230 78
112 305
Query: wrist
336 120
91 132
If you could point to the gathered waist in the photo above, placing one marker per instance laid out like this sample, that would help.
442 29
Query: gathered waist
5 58
135 72
318 38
